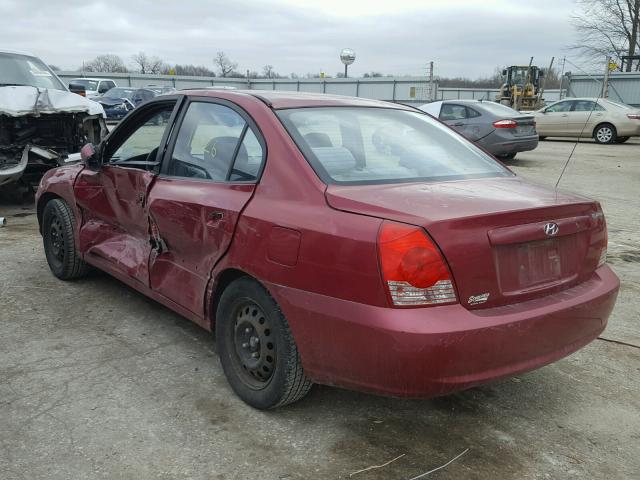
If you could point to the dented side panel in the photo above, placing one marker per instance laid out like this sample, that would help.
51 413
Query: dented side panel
115 223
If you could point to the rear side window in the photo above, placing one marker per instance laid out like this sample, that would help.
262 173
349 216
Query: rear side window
216 143
560 107
358 145
452 112
586 106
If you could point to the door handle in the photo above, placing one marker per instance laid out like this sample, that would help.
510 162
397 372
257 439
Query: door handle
565 114
215 217
459 124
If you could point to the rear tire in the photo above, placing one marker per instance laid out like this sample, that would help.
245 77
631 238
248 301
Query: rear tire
622 139
507 156
605 134
257 350
542 138
58 226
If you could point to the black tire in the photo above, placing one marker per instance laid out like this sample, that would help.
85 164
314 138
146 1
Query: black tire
541 138
257 350
605 133
622 139
507 156
58 224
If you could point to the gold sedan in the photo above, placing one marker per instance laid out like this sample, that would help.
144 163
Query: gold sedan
602 119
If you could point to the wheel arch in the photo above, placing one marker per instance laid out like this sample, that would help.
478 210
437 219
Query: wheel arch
223 279
45 198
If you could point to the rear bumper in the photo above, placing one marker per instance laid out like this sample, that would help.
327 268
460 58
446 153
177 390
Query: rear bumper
433 351
498 145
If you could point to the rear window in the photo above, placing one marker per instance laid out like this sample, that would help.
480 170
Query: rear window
359 145
498 109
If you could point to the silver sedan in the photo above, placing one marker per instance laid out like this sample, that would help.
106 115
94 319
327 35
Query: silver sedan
500 130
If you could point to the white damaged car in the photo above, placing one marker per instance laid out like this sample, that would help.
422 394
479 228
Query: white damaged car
42 124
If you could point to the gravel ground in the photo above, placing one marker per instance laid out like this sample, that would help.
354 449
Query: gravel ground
97 381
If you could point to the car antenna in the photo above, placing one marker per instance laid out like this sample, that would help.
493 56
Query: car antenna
593 107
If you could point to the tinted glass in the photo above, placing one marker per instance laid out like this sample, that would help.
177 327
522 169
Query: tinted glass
119 92
215 143
380 145
18 69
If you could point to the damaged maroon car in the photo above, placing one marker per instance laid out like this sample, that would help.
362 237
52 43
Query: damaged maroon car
411 267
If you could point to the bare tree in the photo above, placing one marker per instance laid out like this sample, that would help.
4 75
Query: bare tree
608 28
106 63
192 70
267 71
147 64
225 65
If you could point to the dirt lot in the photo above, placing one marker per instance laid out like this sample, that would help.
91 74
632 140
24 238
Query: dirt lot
96 381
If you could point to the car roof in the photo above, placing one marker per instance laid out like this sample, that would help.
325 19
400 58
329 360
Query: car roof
281 99
17 52
90 78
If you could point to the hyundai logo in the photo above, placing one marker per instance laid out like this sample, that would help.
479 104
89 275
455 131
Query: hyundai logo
551 229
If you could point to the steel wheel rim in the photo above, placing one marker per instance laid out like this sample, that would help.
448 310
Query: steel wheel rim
56 239
254 345
604 134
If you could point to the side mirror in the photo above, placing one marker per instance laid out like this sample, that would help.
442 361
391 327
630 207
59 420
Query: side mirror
78 89
90 157
504 72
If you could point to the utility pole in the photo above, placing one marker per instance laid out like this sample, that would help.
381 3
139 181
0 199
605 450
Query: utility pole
430 81
605 83
564 59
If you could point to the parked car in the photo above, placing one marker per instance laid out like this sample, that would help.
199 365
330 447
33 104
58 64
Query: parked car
93 87
499 129
273 219
161 89
42 124
119 101
600 118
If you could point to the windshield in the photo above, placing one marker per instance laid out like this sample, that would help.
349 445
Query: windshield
16 69
356 145
87 84
119 92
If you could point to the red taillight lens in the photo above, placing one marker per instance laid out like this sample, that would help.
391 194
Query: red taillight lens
413 268
505 124
633 116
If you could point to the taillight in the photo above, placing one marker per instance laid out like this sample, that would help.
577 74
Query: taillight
633 116
413 269
505 124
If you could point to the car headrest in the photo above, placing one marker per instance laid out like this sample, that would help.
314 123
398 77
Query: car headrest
335 160
318 139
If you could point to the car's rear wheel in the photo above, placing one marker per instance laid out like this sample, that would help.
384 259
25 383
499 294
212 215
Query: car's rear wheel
621 139
257 350
58 224
507 156
605 133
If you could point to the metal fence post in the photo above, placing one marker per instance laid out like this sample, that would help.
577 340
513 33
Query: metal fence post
393 92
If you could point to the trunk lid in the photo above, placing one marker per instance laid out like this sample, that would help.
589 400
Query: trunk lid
525 126
492 232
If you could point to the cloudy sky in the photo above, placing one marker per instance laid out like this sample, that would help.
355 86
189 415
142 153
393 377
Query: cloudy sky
463 37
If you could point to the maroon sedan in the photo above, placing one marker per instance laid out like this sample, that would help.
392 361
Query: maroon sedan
334 240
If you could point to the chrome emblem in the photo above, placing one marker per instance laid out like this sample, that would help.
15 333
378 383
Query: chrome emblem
551 229
476 299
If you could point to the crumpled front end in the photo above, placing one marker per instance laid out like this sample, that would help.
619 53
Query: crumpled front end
41 129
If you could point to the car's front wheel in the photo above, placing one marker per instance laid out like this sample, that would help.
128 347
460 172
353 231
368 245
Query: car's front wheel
58 223
257 350
605 133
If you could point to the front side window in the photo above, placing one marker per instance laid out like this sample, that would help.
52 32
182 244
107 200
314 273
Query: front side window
142 144
354 145
216 143
586 106
559 107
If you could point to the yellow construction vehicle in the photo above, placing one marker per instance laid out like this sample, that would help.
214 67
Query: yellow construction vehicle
522 88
